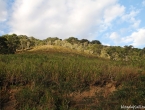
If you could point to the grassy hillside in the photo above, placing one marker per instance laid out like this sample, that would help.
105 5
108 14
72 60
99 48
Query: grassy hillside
56 78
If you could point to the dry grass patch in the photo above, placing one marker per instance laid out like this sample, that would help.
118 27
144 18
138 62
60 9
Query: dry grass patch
59 49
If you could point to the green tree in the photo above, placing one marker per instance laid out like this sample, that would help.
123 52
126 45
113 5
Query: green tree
96 49
32 41
142 52
95 42
23 41
84 40
128 51
72 40
111 51
50 40
3 45
12 42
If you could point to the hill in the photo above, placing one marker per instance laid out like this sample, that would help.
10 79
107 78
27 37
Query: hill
58 78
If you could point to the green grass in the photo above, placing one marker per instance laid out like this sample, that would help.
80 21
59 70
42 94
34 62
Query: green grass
45 80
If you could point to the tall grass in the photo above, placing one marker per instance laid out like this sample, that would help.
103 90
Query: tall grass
46 80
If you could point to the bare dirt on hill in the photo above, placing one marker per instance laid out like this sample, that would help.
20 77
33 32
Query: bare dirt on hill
87 98
11 104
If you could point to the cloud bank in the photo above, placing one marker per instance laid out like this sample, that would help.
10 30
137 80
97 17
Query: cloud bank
65 18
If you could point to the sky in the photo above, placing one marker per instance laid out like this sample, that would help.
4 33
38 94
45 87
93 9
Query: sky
112 22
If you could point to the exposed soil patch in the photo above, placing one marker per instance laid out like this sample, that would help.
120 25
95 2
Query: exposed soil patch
89 98
11 104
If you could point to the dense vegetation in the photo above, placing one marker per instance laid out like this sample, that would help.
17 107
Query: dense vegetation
12 43
58 78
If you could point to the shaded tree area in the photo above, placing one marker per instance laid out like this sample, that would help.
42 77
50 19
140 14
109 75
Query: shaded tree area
142 52
12 42
126 53
3 45
9 44
97 48
28 42
50 40
116 52
72 40
95 42
84 40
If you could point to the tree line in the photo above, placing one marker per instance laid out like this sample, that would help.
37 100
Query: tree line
9 44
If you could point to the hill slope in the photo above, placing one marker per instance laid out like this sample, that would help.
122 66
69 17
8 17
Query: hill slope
62 79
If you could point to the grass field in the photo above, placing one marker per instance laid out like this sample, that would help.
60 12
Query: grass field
60 79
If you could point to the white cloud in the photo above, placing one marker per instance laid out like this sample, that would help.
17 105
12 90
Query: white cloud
136 24
3 11
112 12
115 38
130 18
136 38
78 18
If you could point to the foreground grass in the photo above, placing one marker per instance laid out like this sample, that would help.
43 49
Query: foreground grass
63 80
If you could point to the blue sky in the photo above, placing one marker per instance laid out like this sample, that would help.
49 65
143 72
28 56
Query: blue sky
113 22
